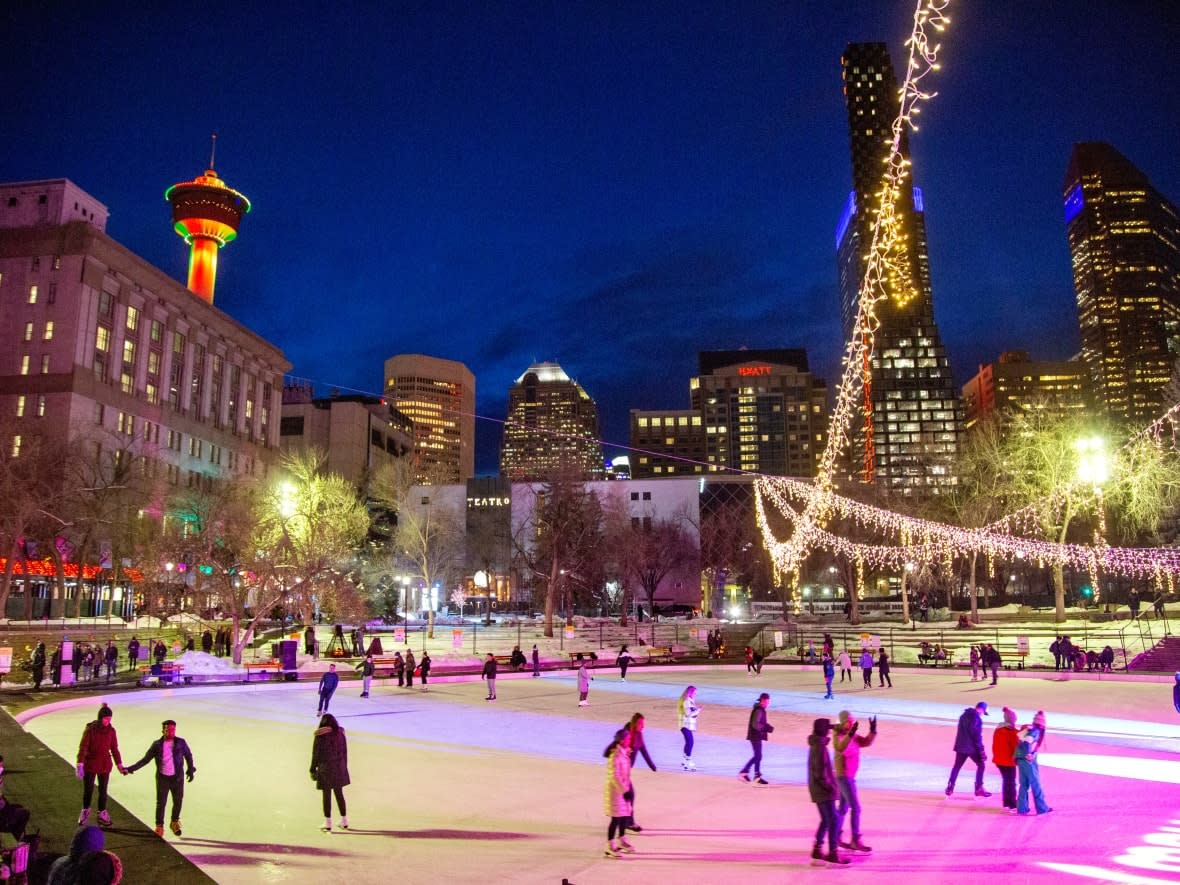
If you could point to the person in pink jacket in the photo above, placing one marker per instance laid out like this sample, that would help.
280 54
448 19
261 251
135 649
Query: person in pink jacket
847 744
618 793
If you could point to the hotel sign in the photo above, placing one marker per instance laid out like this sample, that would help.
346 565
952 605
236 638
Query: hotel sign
753 371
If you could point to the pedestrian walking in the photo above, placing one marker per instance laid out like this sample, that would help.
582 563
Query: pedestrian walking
536 662
174 765
847 745
309 640
424 668
821 785
1031 739
619 793
328 683
38 666
489 674
845 661
624 661
367 668
1004 741
829 674
866 666
329 768
98 753
638 747
410 665
584 678
883 669
993 662
757 731
969 745
974 657
687 712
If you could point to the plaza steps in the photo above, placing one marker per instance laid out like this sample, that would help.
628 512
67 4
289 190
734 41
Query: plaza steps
1163 657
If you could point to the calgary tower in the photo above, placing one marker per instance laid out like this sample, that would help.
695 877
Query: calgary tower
206 213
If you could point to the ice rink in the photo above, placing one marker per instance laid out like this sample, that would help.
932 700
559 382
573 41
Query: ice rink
447 787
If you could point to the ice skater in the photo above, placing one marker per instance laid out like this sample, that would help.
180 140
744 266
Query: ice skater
1004 741
975 662
969 745
883 669
847 745
99 746
424 668
829 675
327 688
619 793
584 678
866 666
536 663
757 731
845 661
1176 693
329 768
410 667
638 747
489 673
624 661
1032 738
174 765
687 712
366 675
821 785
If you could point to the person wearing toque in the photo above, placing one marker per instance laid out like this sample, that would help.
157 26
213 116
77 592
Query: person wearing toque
96 753
969 745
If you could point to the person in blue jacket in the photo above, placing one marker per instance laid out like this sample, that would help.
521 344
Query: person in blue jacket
829 674
327 688
174 765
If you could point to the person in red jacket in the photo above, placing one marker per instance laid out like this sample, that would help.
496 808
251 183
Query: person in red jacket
99 746
1004 741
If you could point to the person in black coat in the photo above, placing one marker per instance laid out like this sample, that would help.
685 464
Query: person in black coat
969 745
757 731
329 768
38 666
821 786
174 765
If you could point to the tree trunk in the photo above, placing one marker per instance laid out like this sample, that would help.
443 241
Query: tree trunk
971 588
550 593
1058 573
6 579
905 597
623 606
850 575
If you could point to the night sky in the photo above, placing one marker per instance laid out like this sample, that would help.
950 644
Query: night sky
615 186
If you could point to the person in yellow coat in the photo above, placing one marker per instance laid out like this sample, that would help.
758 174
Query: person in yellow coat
618 793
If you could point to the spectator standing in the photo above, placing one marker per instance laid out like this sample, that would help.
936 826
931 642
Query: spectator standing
757 731
489 674
638 747
133 653
821 785
1055 650
924 607
584 678
619 793
829 674
97 751
883 668
687 712
866 666
624 661
160 651
329 768
174 765
1157 603
367 669
536 662
847 745
410 665
845 661
207 641
55 666
399 668
38 666
1133 603
974 662
111 658
309 640
328 683
969 745
424 667
1004 741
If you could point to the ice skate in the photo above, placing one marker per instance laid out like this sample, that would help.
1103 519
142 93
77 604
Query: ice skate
176 828
626 847
104 818
344 822
83 817
326 826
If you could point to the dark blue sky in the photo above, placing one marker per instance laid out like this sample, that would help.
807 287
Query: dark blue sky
612 185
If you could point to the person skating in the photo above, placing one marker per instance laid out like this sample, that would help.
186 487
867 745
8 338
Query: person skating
489 673
638 747
1176 693
329 768
883 669
624 661
584 678
367 668
829 674
847 745
821 785
687 712
174 765
1030 740
866 667
98 748
845 661
536 663
969 745
327 688
38 666
757 731
618 793
1004 741
991 660
424 668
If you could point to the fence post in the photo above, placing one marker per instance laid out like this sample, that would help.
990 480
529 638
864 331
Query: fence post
474 631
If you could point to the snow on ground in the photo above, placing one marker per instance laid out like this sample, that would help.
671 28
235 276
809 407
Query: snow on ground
447 787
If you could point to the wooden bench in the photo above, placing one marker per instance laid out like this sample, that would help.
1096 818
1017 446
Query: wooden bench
266 667
947 658
505 661
590 657
658 655
386 664
168 671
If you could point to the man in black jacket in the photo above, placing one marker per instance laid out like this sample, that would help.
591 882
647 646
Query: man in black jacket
171 754
969 745
757 731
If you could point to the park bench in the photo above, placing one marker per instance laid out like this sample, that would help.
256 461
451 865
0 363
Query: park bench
924 658
590 657
1008 652
386 664
505 661
160 673
658 655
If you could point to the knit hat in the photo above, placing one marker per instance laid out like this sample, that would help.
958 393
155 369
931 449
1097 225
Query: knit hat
89 838
846 717
101 868
982 707
821 727
104 711
1009 716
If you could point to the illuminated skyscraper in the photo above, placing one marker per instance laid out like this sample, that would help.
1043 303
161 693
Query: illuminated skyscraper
1124 238
909 437
552 425
439 397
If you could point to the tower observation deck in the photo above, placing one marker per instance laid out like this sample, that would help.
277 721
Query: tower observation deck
206 213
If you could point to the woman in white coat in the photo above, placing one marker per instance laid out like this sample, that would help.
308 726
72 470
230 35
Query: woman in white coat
618 793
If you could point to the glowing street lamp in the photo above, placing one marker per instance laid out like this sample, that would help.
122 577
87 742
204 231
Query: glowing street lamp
1093 463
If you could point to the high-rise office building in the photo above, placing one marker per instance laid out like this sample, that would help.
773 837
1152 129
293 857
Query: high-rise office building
908 439
552 425
1016 383
1124 238
439 397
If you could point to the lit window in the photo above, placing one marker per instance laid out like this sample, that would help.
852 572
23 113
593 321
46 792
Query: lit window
102 339
48 335
32 294
132 318
40 407
20 407
44 364
16 446
24 364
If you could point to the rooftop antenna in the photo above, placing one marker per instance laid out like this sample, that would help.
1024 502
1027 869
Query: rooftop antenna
213 151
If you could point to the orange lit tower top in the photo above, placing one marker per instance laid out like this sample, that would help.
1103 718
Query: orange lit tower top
206 213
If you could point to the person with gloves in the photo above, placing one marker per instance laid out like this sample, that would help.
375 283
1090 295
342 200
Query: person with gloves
847 744
618 793
99 746
821 785
174 765
969 745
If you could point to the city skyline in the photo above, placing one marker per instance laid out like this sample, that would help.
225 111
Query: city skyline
615 189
